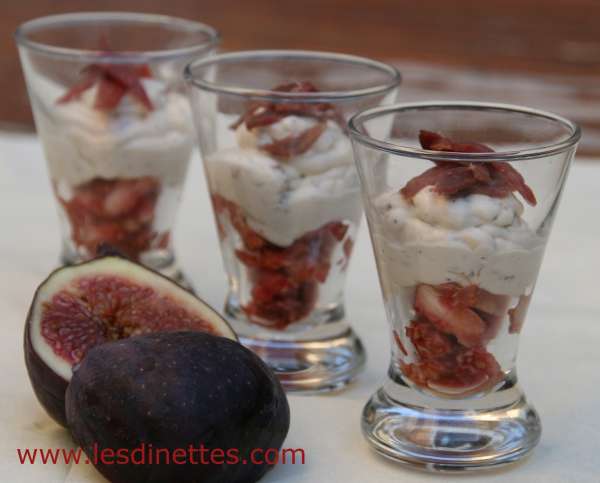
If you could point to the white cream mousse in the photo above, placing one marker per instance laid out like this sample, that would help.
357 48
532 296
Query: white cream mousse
82 143
284 199
475 239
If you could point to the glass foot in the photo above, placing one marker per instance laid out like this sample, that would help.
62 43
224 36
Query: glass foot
451 440
320 354
312 366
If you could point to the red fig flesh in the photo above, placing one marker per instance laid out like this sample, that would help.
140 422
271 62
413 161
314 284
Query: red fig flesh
106 299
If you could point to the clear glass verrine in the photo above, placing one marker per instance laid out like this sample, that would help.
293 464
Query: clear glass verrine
109 103
460 199
286 199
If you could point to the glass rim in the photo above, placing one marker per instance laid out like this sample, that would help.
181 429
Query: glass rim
539 151
22 39
271 95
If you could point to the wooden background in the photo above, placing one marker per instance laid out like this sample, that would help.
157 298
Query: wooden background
545 53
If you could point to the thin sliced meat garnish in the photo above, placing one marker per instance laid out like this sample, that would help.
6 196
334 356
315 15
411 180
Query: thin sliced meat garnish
143 71
255 110
291 145
427 178
433 141
514 181
480 172
448 181
75 91
264 118
493 189
297 86
266 113
109 95
130 78
461 178
114 82
436 142
455 180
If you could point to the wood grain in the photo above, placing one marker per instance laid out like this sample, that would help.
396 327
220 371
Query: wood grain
549 42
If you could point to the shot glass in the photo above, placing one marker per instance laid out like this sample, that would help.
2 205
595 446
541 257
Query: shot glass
286 199
110 108
460 199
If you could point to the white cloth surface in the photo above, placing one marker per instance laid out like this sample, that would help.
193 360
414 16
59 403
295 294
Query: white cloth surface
559 362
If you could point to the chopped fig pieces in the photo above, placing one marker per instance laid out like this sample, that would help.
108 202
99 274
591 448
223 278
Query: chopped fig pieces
453 324
264 113
114 82
428 341
489 303
461 178
461 373
449 335
117 212
285 280
457 320
456 296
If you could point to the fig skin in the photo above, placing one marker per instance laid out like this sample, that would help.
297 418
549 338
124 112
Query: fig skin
172 390
48 385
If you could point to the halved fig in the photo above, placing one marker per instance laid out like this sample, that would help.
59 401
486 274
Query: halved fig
106 299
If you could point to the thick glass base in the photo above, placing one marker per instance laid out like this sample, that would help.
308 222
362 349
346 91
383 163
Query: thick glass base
312 366
498 429
321 358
